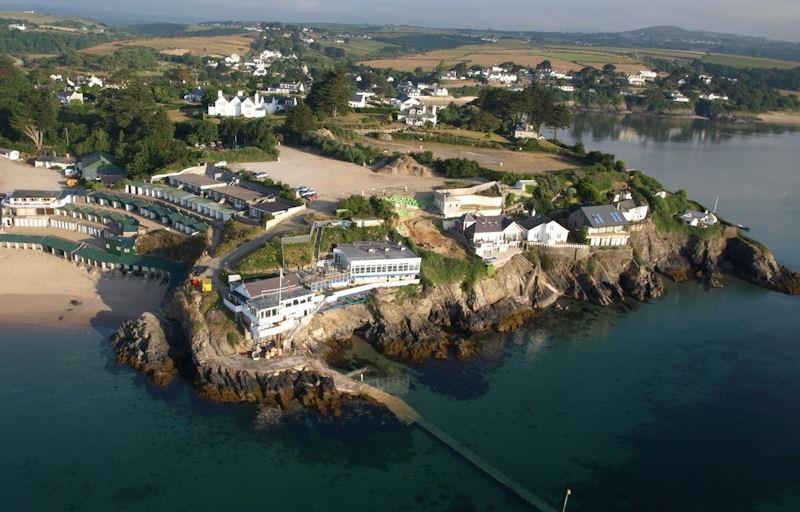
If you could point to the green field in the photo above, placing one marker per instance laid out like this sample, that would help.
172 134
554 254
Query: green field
359 48
739 61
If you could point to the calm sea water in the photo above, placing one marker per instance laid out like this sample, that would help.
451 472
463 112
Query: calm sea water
685 403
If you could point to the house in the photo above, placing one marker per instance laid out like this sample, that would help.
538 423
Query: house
405 102
100 167
525 187
636 80
419 115
491 234
238 106
714 97
679 98
54 162
566 88
194 183
195 95
441 91
67 97
377 262
648 74
270 308
484 199
236 196
17 26
233 59
286 88
541 229
526 131
358 101
272 207
604 225
632 211
698 219
275 104
10 154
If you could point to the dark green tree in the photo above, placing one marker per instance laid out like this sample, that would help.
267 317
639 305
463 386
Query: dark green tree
329 95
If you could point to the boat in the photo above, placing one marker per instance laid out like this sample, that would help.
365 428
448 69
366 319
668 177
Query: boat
743 228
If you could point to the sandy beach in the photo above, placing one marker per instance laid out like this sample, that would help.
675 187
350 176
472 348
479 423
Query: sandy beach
792 118
40 289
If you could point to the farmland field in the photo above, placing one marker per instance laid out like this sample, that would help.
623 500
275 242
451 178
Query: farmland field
519 52
562 57
199 45
739 61
359 48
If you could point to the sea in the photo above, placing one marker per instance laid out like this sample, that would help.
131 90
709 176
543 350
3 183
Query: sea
686 403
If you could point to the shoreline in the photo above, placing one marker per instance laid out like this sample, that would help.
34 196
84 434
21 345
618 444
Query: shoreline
49 291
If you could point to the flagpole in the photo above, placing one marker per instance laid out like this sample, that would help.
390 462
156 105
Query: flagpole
566 498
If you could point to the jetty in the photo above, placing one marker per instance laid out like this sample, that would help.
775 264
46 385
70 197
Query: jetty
407 415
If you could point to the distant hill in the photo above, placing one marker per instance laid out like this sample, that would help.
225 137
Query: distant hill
677 38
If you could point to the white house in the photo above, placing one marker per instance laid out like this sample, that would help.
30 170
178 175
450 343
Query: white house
679 98
714 97
604 225
541 229
491 234
233 58
53 162
648 75
377 262
441 91
276 104
270 308
419 115
358 101
17 26
405 102
699 219
239 105
287 88
632 211
32 208
566 88
636 80
526 131
10 154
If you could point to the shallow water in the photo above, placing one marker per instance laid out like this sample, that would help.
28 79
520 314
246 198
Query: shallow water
685 403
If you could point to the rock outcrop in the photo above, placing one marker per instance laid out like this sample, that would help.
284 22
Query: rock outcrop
432 322
143 344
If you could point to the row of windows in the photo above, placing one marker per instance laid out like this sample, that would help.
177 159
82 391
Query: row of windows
382 268
267 313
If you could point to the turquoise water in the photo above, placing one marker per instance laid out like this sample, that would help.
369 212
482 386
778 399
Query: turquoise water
685 403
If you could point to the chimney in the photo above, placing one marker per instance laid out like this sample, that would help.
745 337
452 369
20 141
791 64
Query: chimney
219 93
257 97
239 93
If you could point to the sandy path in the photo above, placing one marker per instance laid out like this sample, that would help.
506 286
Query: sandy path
46 290
792 118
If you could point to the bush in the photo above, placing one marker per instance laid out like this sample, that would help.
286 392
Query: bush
355 153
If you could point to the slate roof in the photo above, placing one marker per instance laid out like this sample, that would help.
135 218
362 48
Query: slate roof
603 216
375 251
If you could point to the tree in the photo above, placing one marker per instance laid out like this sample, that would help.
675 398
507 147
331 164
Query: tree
35 115
330 94
559 117
300 119
545 64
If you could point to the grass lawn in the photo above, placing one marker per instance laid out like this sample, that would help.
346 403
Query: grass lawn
470 134
740 61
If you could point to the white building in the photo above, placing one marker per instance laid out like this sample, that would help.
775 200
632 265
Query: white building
377 262
636 80
604 225
17 26
714 97
698 219
358 101
632 211
441 91
239 105
541 229
287 88
405 102
270 308
33 208
491 234
679 98
478 199
233 59
418 115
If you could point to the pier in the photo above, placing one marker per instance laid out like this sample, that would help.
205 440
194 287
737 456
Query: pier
406 414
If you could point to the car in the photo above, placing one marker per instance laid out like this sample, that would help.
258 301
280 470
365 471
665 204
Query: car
221 163
307 192
302 189
262 176
311 197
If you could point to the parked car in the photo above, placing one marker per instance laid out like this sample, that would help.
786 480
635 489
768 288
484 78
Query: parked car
311 197
262 176
221 163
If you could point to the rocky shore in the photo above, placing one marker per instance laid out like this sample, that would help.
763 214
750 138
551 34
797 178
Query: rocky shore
435 321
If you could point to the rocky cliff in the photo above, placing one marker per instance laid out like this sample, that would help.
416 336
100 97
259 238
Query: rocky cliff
415 324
